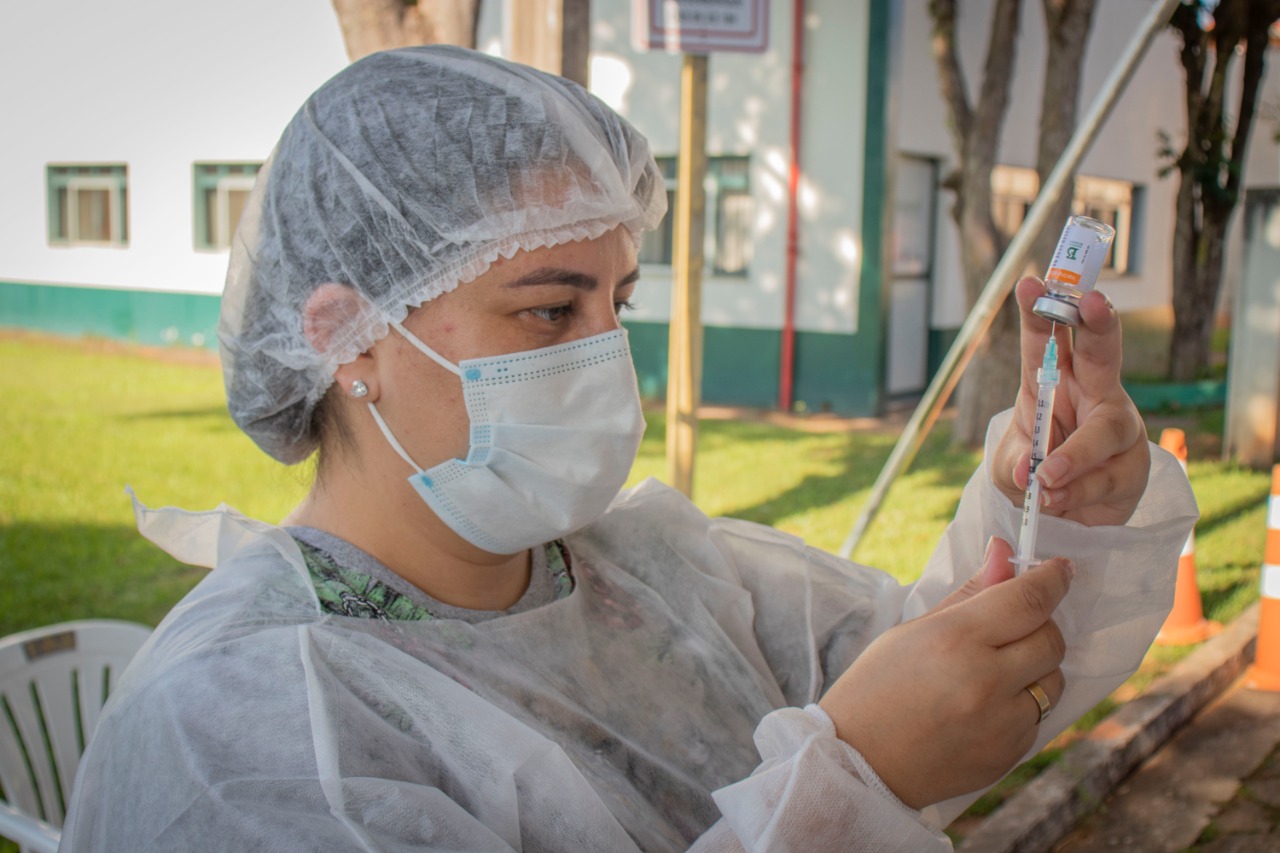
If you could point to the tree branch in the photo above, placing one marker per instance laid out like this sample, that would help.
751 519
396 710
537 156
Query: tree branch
1257 43
993 98
950 74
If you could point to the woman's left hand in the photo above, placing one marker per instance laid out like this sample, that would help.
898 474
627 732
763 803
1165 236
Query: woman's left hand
1098 461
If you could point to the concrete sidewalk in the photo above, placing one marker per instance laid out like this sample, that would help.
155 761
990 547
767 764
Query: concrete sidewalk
1215 787
1050 807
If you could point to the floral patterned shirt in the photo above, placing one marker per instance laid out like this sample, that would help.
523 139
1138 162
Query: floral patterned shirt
350 582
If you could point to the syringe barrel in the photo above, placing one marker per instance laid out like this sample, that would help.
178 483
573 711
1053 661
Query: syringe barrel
1042 424
1073 272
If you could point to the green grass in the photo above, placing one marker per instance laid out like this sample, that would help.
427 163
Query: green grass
81 420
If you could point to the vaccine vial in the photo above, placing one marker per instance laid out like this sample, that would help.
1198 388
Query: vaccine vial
1073 272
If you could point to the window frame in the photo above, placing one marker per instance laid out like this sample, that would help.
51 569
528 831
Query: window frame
63 216
716 196
219 178
1018 185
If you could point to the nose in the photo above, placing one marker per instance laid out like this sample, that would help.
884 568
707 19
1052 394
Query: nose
602 315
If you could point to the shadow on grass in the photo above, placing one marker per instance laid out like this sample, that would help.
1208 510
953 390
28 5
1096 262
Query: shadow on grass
212 412
83 571
1233 511
860 462
1225 601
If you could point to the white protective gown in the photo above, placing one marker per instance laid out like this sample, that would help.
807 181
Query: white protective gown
633 714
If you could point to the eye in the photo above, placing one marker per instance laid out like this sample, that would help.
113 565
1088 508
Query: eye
552 314
623 305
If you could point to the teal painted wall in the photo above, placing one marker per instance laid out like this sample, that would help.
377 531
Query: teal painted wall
863 364
140 316
740 368
740 365
940 341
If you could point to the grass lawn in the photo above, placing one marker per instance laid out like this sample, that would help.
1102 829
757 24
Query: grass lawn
81 420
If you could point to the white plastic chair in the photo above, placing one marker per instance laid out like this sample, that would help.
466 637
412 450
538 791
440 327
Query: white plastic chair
53 683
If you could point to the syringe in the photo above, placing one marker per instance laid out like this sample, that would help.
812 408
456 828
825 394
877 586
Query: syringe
1047 380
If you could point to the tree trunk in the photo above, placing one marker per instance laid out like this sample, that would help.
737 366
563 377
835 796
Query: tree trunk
369 26
991 382
1211 166
1067 25
986 387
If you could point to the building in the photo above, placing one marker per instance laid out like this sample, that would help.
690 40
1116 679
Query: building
127 162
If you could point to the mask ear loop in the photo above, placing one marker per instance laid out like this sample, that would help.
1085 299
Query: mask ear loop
391 439
373 410
426 350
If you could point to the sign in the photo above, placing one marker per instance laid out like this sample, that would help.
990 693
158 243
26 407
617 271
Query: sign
701 26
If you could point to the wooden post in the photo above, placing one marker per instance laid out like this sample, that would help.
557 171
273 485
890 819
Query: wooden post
552 35
684 363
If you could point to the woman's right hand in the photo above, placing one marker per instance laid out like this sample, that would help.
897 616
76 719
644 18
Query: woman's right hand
938 706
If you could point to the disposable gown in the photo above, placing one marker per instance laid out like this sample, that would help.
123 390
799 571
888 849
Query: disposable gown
658 707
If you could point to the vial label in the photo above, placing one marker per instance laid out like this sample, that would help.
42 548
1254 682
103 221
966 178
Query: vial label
1079 257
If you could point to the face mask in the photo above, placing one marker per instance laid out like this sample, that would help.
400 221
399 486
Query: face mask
553 434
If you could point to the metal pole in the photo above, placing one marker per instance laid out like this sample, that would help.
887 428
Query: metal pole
1002 279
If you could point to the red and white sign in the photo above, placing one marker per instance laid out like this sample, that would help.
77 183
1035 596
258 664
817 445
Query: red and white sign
701 26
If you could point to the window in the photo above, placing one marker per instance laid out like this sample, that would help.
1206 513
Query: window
1012 192
88 205
915 191
1117 203
221 192
731 212
1114 203
657 245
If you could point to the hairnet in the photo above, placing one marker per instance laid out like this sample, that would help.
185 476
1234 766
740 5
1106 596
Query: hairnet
407 173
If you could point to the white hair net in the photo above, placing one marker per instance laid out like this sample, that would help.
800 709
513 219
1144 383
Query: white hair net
409 172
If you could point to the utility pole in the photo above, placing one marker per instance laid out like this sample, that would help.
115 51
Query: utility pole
684 361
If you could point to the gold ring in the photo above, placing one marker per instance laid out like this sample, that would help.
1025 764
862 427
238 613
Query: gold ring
1042 699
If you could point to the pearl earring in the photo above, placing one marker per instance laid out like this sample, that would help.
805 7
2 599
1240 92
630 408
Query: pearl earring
359 389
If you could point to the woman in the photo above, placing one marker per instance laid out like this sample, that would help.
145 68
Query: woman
465 638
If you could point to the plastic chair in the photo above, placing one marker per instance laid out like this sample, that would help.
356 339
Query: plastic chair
53 683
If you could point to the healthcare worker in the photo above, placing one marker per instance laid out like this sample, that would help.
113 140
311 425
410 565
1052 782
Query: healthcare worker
465 638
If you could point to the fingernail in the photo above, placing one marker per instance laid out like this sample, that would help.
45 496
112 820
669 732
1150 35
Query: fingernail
1053 497
1051 470
987 554
1070 567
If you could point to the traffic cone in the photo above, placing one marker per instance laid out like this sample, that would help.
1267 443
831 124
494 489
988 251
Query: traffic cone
1265 672
1186 623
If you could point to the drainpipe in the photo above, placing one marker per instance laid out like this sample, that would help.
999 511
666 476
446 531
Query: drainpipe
787 366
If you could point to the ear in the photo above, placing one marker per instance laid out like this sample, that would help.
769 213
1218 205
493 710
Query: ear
329 307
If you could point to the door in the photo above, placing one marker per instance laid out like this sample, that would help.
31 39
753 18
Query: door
911 282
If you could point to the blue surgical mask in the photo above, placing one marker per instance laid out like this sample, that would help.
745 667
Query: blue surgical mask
554 432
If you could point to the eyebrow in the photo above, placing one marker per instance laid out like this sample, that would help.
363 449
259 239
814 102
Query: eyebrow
552 275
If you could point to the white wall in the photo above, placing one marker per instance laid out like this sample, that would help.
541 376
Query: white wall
749 102
158 86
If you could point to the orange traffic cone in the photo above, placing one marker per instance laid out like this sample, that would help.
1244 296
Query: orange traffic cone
1186 623
1265 672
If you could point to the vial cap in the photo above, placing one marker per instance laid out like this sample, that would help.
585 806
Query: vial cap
1056 310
